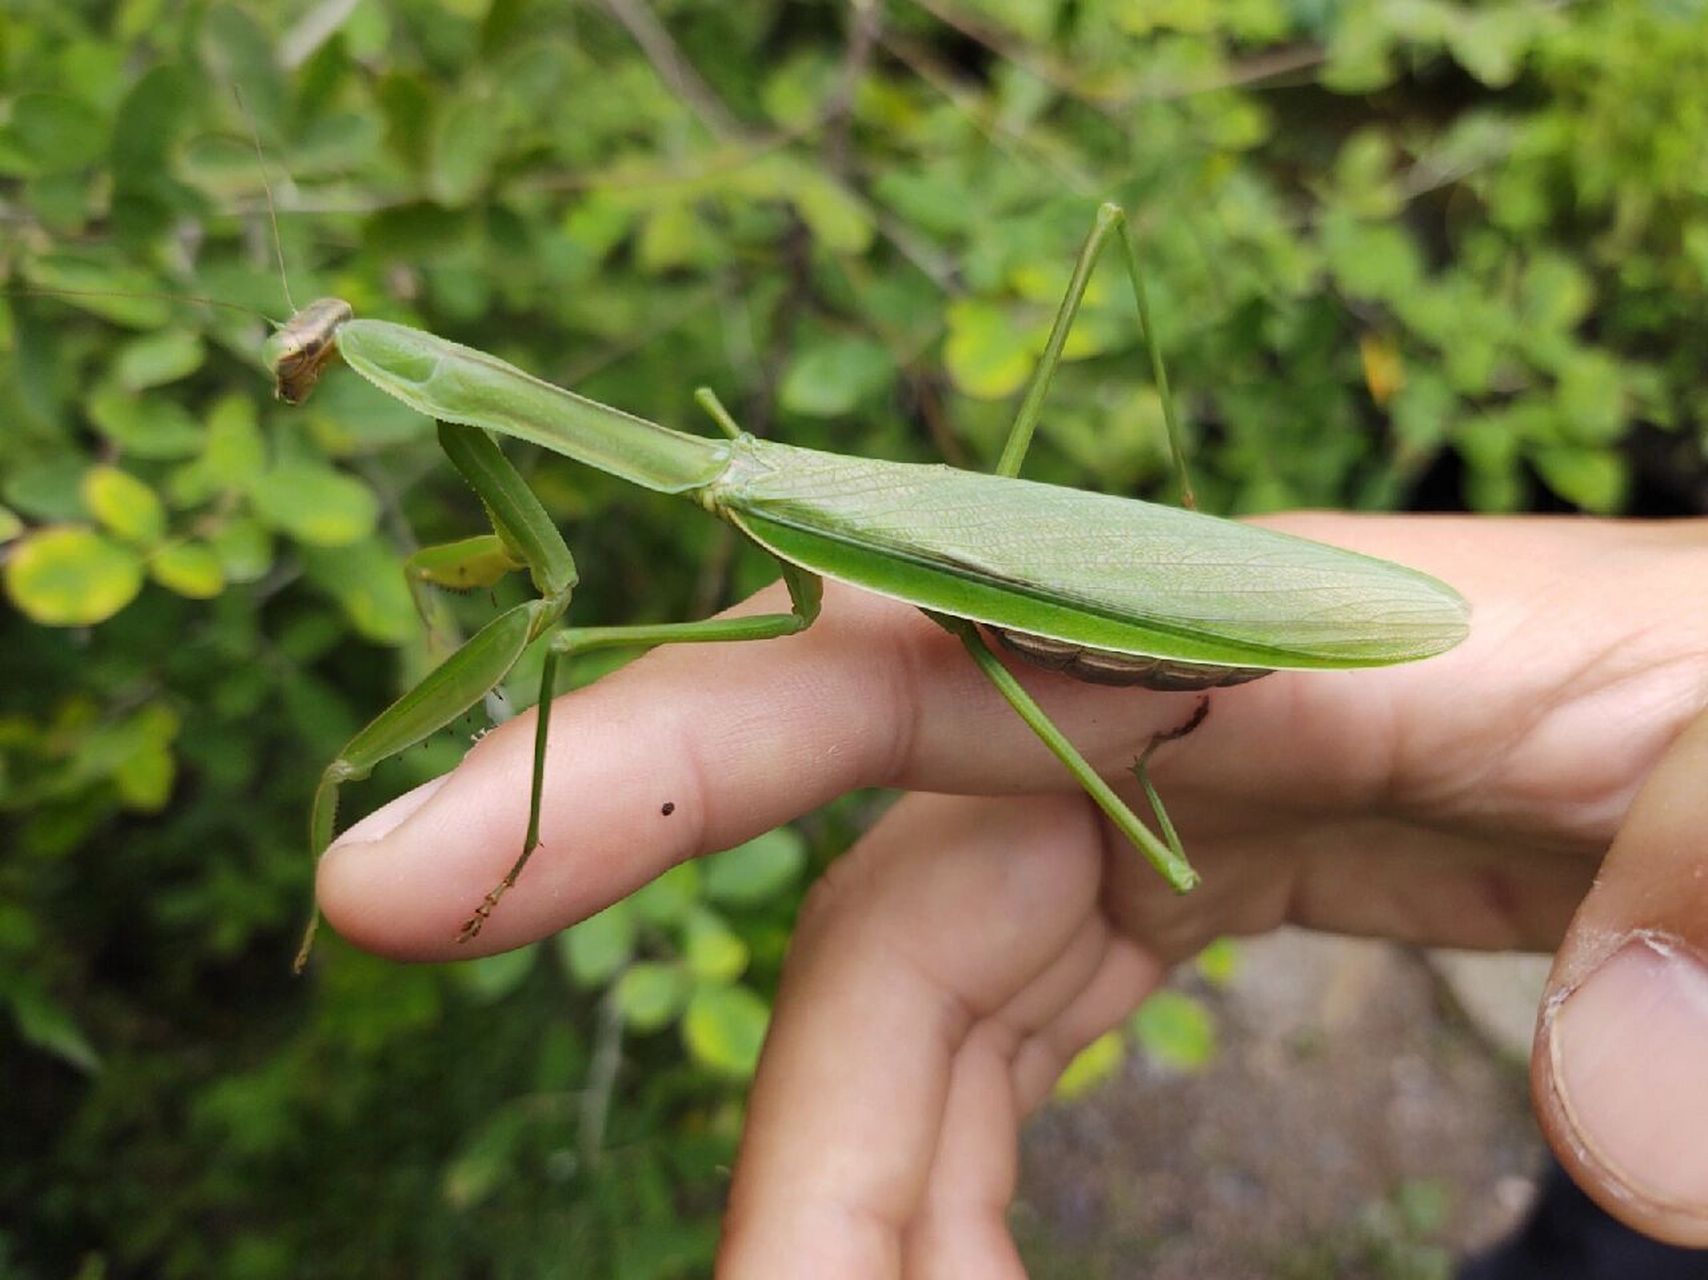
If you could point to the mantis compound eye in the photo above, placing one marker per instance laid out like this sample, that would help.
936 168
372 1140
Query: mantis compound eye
299 352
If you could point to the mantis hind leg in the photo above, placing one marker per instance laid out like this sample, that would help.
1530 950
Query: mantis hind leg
1165 855
1111 220
806 591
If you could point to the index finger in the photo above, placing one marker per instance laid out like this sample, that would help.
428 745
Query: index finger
738 738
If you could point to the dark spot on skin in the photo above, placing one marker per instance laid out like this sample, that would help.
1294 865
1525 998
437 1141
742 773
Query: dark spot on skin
669 808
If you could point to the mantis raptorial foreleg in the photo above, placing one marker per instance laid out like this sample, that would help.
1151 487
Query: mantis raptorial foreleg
806 590
468 675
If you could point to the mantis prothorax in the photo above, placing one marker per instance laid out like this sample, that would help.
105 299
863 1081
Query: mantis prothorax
1103 588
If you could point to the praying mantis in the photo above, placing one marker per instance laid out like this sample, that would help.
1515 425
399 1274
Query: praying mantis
1102 588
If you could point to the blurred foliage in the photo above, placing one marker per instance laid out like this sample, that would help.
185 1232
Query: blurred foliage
1404 252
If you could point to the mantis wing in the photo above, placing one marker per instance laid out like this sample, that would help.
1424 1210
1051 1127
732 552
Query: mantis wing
1107 572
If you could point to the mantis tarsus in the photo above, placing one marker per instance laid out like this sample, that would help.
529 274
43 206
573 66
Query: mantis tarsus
1104 588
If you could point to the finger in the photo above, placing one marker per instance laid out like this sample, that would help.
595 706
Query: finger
1622 1047
1004 1069
937 919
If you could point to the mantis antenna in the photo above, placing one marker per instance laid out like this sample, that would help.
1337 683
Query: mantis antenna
267 187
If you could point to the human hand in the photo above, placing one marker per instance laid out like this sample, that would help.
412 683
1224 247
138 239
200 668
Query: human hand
1463 801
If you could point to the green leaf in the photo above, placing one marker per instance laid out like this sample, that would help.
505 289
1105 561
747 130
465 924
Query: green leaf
1176 1031
366 578
1592 398
837 218
1491 45
711 949
594 950
235 454
1371 260
1091 1066
1588 477
244 548
724 1029
464 146
147 122
481 1167
985 352
158 358
190 569
58 131
110 290
144 777
315 505
71 577
666 900
491 978
147 426
47 1024
10 525
124 505
48 490
671 237
830 378
649 994
756 871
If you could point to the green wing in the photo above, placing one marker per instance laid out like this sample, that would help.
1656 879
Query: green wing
1110 573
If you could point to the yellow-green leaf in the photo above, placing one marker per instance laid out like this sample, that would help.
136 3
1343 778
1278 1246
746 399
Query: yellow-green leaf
724 1029
649 994
671 237
72 577
123 504
1218 962
10 525
1092 1065
1176 1031
711 948
190 569
836 217
144 778
985 352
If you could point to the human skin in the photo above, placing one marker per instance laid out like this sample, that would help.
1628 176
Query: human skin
955 959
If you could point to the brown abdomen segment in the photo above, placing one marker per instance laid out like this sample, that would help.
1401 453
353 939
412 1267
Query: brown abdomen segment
1098 666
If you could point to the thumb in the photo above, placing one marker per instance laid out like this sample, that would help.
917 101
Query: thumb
1620 1068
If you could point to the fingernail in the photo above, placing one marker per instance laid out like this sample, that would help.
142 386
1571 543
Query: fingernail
388 818
1628 1054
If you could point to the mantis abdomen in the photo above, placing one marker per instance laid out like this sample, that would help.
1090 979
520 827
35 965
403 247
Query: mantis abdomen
1099 666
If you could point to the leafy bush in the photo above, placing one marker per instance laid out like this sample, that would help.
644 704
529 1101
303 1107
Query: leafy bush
1401 253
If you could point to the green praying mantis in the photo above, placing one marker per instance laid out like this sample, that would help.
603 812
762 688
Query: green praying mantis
1102 588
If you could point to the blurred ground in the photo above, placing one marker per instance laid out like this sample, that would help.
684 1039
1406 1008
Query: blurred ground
1366 1118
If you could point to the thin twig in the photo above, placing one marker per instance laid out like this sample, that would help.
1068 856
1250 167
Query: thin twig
672 68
